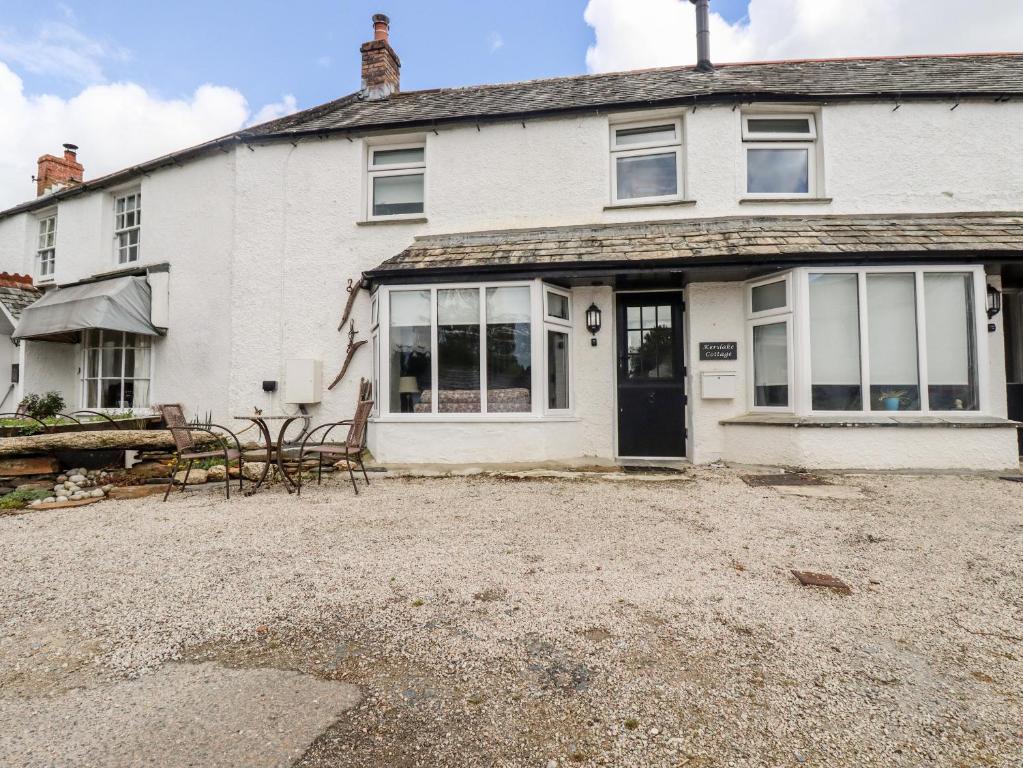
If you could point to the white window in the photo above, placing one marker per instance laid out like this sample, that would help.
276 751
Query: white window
127 226
46 248
115 370
558 349
475 349
646 162
396 181
780 154
770 343
884 339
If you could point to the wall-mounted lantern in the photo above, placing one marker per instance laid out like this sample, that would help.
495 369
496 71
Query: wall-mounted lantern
994 305
593 322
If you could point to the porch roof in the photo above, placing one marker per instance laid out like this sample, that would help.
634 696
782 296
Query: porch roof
742 240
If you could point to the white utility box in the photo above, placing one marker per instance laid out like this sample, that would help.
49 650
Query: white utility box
718 386
303 381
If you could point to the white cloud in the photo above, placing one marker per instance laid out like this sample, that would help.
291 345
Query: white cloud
495 42
61 51
116 125
632 34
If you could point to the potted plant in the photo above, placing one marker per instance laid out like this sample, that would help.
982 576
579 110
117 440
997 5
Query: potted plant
892 399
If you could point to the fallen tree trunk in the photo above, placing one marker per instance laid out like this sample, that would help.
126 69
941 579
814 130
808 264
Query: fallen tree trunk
108 439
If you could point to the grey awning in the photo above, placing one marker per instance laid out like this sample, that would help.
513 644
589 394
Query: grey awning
119 304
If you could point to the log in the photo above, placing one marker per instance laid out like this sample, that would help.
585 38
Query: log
109 439
34 465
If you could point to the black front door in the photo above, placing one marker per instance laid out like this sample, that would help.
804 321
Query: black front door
651 375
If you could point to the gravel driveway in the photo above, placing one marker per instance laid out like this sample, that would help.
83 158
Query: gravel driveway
489 622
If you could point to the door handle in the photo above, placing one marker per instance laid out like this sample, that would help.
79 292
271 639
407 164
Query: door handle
650 398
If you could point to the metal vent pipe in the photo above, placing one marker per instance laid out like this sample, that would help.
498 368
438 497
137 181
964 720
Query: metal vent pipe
703 35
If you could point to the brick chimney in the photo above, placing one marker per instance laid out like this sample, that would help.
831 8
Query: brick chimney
381 67
57 172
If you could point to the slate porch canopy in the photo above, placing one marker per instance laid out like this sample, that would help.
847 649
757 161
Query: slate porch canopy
733 241
118 304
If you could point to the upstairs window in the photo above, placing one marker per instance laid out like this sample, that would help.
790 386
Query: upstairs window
397 176
780 155
127 226
646 162
46 250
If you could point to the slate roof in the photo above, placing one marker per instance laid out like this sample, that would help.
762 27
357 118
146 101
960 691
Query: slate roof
16 299
713 241
907 76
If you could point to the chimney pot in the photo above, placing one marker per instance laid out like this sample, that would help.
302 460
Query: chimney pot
55 172
703 63
381 67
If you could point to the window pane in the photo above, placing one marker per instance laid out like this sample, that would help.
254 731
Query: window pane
646 176
458 351
410 355
139 393
110 393
91 394
397 194
557 369
835 343
770 365
778 125
557 305
778 171
661 134
92 364
891 328
632 318
398 156
951 346
769 296
509 349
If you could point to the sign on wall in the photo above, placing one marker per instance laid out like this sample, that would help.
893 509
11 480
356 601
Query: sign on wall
719 350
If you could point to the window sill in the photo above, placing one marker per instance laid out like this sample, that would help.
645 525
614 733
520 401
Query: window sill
412 220
469 418
946 421
756 200
657 204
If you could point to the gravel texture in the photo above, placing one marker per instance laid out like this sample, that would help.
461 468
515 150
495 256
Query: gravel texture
550 622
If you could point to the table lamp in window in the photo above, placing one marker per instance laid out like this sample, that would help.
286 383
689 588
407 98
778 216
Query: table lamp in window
408 390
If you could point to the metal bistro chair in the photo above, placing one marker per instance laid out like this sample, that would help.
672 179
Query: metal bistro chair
350 450
182 431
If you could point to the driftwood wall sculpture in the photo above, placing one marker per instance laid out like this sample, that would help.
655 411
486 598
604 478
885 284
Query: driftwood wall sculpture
353 345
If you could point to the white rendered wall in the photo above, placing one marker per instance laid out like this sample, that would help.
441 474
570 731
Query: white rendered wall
872 447
48 366
262 242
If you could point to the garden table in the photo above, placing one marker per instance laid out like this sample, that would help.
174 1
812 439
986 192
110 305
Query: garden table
274 450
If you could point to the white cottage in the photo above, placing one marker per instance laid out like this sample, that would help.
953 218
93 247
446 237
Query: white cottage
808 263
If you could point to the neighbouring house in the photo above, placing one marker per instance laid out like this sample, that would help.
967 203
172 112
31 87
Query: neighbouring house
811 263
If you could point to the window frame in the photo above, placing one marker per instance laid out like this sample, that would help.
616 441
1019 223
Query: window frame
374 171
119 195
50 249
539 323
559 325
84 378
658 147
790 368
785 277
800 363
757 140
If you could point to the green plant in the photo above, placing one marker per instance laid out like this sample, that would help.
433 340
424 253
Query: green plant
896 393
20 498
44 406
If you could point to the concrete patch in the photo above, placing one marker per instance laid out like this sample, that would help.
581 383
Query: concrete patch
821 491
183 715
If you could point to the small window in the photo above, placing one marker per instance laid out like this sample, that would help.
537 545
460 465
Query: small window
46 248
115 371
396 182
771 365
127 226
769 297
557 370
646 162
780 155
557 306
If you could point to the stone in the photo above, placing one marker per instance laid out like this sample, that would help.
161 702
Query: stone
253 469
136 491
77 479
150 469
61 478
97 493
216 473
27 465
61 497
195 477
33 485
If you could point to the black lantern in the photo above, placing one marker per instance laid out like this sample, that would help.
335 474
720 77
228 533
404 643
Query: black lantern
994 302
593 322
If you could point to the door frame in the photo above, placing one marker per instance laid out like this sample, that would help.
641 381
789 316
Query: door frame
685 375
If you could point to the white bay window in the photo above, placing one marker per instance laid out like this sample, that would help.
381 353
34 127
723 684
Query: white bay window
115 370
857 340
473 350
